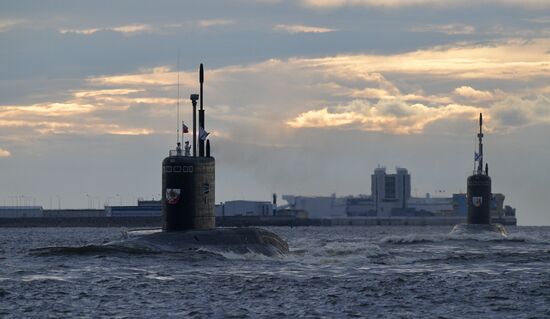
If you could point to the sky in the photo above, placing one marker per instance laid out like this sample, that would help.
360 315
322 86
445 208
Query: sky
302 97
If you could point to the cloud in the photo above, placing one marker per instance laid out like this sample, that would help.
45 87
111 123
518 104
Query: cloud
399 117
410 3
214 22
451 29
81 31
298 28
161 75
82 94
7 24
505 60
469 92
4 153
391 116
514 112
132 28
541 20
104 111
397 93
48 109
129 29
136 28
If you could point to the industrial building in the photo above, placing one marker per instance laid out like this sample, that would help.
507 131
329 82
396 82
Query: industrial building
245 208
21 211
391 197
149 208
390 192
318 206
74 213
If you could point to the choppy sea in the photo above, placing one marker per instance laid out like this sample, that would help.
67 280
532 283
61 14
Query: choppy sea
331 272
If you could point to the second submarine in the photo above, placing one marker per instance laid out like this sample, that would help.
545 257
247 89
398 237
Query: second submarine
479 195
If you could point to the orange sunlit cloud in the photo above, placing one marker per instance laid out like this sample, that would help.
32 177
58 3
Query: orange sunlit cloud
395 117
356 81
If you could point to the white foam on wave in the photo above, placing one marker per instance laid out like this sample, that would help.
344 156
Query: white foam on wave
250 255
412 239
484 236
43 278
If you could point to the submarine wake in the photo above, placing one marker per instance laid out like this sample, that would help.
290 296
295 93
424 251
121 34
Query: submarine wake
474 229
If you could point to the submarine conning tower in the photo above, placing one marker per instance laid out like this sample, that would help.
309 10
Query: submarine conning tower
479 187
188 180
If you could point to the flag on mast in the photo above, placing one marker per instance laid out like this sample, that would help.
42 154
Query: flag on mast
184 128
203 134
477 156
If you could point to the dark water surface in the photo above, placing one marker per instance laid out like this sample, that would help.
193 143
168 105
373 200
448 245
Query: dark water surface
332 272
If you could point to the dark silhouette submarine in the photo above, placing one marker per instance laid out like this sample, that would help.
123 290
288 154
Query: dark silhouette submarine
479 197
188 201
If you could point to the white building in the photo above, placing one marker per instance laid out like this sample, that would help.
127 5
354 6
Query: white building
318 206
390 191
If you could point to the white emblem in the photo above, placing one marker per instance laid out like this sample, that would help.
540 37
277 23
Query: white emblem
477 201
173 195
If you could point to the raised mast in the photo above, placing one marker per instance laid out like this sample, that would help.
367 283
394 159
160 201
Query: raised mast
480 137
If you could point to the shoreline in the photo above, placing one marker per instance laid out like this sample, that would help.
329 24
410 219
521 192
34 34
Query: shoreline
239 221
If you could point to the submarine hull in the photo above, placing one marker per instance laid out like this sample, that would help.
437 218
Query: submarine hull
235 240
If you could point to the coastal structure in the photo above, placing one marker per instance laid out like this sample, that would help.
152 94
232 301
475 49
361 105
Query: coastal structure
21 211
391 198
245 208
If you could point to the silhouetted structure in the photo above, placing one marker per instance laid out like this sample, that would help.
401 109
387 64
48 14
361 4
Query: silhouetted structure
479 187
188 182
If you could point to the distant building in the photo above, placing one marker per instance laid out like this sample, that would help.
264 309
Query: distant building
436 206
390 191
244 208
150 203
21 211
318 206
360 206
144 209
391 197
294 213
74 213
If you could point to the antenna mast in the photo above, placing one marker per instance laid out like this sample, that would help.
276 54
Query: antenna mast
178 102
201 112
480 137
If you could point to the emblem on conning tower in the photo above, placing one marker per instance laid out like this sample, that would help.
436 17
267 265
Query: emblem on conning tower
173 195
477 201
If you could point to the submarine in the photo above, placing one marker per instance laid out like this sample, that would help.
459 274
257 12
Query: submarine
188 202
479 196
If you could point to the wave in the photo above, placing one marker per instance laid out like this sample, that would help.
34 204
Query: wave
500 256
120 248
481 237
91 250
411 239
342 249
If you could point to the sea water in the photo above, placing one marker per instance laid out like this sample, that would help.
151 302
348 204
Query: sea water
331 272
